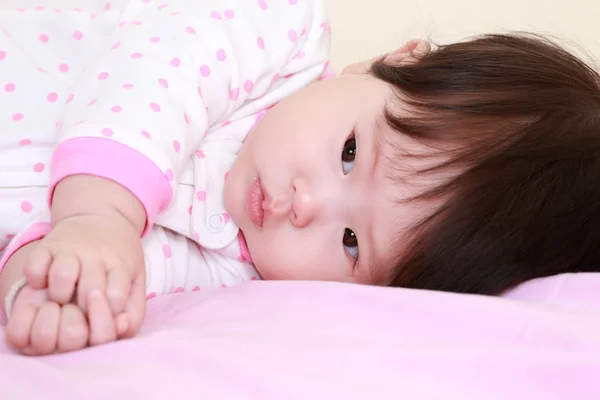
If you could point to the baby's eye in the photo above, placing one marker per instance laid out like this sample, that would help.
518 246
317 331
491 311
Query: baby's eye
350 243
348 154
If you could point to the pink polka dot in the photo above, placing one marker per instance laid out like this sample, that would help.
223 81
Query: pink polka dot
25 142
52 97
186 118
77 35
9 87
26 207
226 217
40 69
190 30
162 82
116 109
127 86
91 103
248 86
199 91
116 45
234 93
44 38
221 55
154 107
293 35
59 124
229 14
215 15
107 132
70 98
39 167
303 31
205 71
107 6
176 146
162 6
178 290
17 117
293 2
196 289
103 75
2 55
39 8
224 286
63 67
200 154
150 296
260 42
154 39
274 78
263 4
145 134
201 195
226 175
136 23
299 55
175 62
137 56
190 210
167 251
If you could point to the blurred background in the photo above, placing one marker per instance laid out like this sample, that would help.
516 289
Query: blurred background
364 28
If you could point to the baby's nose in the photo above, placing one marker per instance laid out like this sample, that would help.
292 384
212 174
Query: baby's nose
305 205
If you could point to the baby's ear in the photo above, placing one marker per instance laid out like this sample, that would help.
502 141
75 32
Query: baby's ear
410 52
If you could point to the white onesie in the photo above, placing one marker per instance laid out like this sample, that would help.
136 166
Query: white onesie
157 96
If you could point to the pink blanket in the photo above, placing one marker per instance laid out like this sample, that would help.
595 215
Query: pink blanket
299 340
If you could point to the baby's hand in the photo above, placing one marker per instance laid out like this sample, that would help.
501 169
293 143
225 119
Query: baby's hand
87 253
39 326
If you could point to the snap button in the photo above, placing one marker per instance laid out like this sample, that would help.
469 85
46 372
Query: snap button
215 222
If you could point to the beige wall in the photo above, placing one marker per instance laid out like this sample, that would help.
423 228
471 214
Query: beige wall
362 28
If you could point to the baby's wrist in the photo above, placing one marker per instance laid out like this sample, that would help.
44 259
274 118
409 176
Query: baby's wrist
86 195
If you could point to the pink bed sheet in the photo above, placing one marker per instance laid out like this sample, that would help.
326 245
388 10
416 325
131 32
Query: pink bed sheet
300 340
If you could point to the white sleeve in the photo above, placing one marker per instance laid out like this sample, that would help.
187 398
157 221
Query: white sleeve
142 108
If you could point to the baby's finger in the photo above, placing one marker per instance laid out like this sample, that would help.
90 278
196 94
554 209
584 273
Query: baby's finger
92 277
38 266
102 323
62 278
118 287
74 331
18 328
135 309
44 333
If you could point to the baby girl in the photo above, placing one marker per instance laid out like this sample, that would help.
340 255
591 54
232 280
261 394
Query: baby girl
157 148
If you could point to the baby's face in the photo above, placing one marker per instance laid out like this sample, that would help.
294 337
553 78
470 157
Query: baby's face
311 188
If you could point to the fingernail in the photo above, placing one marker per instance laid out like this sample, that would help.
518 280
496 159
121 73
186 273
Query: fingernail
123 326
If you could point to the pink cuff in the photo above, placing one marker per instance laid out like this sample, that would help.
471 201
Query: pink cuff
121 164
244 252
34 232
